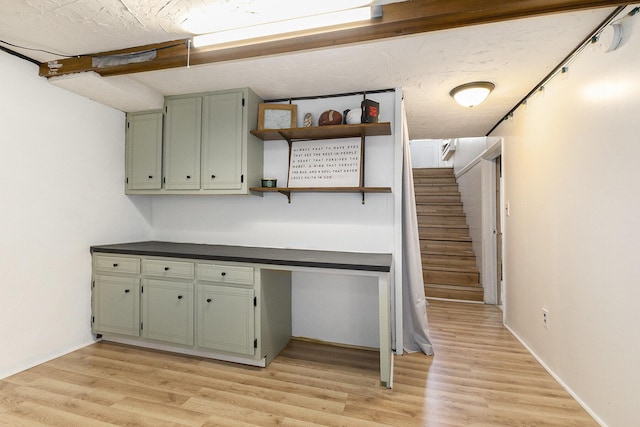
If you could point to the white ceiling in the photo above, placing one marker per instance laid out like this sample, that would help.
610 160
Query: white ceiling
515 55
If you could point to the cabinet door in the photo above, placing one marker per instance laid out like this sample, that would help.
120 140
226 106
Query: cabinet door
167 311
226 319
116 305
144 151
182 143
222 141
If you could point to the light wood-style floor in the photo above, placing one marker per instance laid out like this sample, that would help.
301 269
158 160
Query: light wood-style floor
479 376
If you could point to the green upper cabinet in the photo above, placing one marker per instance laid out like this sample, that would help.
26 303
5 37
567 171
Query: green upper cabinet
221 152
144 151
183 136
207 146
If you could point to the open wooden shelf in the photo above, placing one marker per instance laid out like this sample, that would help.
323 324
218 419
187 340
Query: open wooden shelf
288 190
313 133
324 132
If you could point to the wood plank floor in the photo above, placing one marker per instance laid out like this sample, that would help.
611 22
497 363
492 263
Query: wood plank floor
479 376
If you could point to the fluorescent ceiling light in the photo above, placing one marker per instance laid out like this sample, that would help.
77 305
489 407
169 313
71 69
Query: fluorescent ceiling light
284 27
231 14
472 94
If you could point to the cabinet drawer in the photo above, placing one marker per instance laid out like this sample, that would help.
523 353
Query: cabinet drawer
225 273
160 268
114 264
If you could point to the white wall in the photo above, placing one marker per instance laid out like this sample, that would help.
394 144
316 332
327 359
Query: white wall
427 153
571 241
474 166
468 169
346 310
61 174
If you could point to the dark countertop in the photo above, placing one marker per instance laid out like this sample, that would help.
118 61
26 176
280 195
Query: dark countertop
257 255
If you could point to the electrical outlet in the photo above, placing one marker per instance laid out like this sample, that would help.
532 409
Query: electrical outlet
545 317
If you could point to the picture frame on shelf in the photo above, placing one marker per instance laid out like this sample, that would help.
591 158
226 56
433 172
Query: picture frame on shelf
277 116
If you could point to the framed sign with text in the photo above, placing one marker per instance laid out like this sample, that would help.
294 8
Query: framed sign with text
325 164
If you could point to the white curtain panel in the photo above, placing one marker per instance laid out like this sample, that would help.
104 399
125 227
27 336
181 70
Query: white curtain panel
414 302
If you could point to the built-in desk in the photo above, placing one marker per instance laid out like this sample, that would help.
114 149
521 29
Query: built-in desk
266 261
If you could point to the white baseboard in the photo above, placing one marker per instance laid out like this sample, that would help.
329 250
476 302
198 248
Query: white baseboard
558 379
44 360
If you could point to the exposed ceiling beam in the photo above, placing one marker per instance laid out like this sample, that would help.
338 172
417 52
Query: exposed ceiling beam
398 19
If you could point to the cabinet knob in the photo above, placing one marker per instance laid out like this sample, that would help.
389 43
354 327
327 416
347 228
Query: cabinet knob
208 299
179 296
166 269
150 176
126 291
188 176
223 273
115 265
213 177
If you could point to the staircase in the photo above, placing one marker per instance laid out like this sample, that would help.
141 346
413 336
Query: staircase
448 261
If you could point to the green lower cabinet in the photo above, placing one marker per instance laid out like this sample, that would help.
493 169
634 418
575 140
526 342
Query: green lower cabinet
236 312
116 305
167 311
225 319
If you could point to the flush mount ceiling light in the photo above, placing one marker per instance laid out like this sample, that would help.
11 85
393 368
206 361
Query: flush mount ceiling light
289 26
472 94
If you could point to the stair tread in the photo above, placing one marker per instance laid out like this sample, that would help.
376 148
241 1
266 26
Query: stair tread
448 260
443 246
443 214
420 188
457 269
449 254
434 175
447 239
438 203
450 294
436 184
459 255
444 220
433 170
438 193
474 288
455 260
440 226
440 259
457 250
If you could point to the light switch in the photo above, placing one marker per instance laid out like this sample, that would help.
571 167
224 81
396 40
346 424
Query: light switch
508 209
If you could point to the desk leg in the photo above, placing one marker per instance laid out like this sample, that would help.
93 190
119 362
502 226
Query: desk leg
384 308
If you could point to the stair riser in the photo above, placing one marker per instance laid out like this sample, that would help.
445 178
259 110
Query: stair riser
434 180
435 189
439 209
454 294
432 172
430 187
450 278
448 261
445 246
443 233
437 198
426 220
